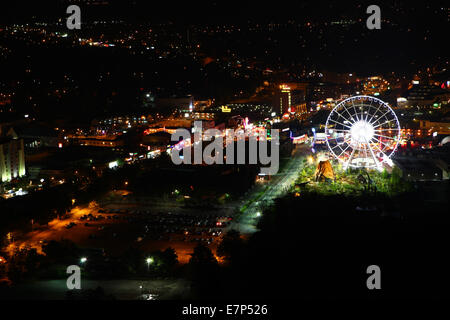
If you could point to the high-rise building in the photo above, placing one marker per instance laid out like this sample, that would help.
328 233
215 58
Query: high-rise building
285 99
12 157
290 96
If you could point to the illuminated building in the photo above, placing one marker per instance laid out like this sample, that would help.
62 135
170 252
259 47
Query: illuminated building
374 86
285 99
203 104
12 157
416 169
99 141
292 95
5 99
301 108
126 120
424 95
202 115
431 127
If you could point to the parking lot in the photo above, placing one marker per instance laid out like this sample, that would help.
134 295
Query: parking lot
115 227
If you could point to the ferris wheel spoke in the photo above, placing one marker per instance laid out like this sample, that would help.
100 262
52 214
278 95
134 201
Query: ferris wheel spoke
334 138
356 111
349 158
393 129
378 119
368 109
361 107
341 123
365 151
340 144
339 114
343 150
343 130
351 117
387 137
386 145
372 153
374 114
383 123
345 140
382 152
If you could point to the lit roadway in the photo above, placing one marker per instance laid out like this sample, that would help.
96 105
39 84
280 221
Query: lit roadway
250 208
277 186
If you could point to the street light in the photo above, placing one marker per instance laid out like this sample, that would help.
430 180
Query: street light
149 261
83 260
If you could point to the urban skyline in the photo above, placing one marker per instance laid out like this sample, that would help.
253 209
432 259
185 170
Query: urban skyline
135 151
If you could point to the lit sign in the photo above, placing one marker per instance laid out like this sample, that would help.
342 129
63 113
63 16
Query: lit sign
225 109
112 164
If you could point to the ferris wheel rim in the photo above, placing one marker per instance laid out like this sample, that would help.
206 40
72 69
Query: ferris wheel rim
377 163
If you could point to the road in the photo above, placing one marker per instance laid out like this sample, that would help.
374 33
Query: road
276 187
161 289
250 205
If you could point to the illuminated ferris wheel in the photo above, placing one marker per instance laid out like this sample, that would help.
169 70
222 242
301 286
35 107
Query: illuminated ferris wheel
362 132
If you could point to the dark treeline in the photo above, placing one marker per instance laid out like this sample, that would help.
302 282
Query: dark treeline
312 246
318 246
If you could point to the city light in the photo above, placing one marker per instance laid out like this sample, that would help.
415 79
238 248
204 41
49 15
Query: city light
149 261
248 141
113 164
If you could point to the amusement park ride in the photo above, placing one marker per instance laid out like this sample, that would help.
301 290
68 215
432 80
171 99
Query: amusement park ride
362 132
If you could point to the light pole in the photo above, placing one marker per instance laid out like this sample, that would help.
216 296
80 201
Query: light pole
149 261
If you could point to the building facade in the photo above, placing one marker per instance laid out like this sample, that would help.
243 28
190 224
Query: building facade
12 156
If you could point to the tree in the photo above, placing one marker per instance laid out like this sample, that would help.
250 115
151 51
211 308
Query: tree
231 246
203 270
169 257
395 180
163 261
23 263
64 251
134 260
202 256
